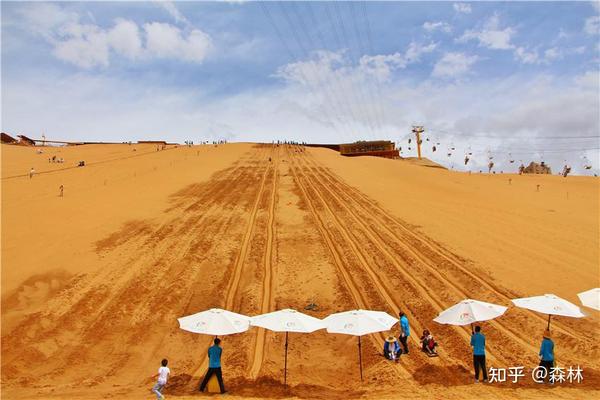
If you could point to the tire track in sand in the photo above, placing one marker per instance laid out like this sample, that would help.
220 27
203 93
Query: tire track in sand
234 282
381 286
352 287
266 304
419 286
142 277
420 240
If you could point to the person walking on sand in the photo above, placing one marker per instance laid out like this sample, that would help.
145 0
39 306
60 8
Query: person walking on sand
214 365
31 172
163 375
478 343
404 331
547 353
62 189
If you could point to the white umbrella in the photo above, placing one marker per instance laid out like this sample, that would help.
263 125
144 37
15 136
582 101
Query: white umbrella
287 320
590 298
550 304
469 311
358 323
215 322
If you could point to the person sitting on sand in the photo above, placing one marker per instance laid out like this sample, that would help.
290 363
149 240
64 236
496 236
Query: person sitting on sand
163 374
428 343
391 349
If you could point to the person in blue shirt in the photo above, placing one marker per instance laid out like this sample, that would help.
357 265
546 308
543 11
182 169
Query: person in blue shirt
214 365
478 343
404 331
547 353
391 349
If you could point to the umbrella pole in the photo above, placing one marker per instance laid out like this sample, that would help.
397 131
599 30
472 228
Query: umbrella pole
549 315
360 359
285 363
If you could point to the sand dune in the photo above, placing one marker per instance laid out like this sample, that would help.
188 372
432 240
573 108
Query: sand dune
93 282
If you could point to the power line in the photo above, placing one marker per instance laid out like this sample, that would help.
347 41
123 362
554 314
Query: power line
383 118
364 51
462 134
336 77
301 71
351 51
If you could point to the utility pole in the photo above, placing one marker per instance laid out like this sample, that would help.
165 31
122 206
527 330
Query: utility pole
417 130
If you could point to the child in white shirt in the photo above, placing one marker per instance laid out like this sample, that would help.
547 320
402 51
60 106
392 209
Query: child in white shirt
163 375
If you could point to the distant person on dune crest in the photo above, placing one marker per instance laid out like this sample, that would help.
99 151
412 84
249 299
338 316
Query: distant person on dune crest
547 353
391 349
478 343
31 173
214 365
404 331
163 375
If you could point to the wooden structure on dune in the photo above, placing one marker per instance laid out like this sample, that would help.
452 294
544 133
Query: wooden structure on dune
158 142
377 148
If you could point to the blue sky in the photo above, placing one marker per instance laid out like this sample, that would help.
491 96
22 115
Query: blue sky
482 77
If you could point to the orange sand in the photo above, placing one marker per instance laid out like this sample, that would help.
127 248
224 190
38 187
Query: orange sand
92 283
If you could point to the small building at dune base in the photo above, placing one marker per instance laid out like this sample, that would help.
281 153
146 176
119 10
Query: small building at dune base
535 168
377 148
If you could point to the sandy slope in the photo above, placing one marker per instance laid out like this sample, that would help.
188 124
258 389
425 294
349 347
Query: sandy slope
92 283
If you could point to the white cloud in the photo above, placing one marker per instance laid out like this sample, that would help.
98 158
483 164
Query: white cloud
174 12
453 65
166 41
526 57
124 38
491 36
463 8
548 56
324 65
83 45
90 45
381 66
592 25
439 25
43 18
553 53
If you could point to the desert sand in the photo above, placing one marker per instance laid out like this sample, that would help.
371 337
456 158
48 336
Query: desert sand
93 282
